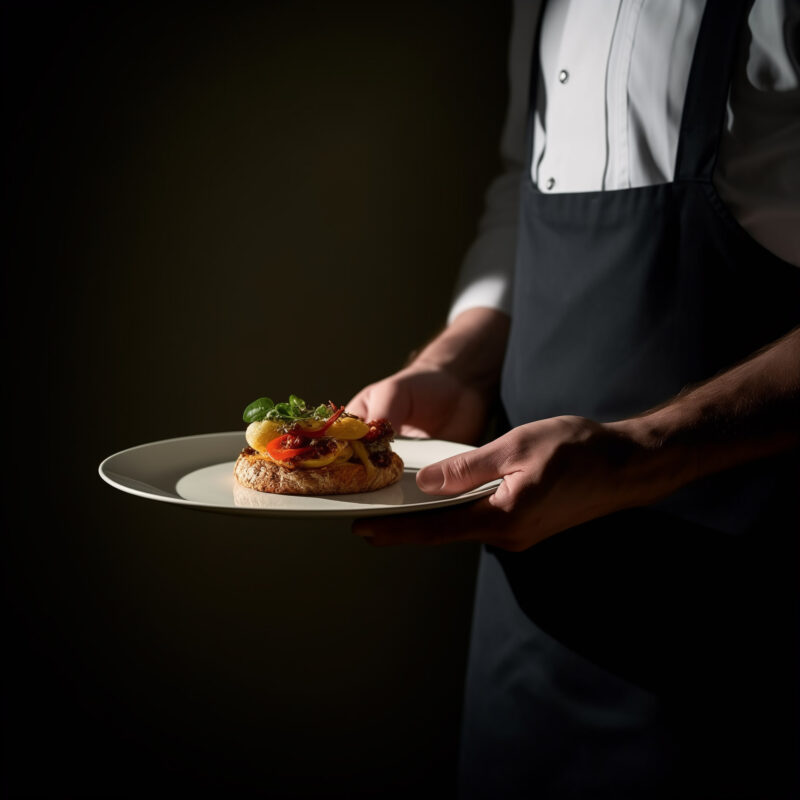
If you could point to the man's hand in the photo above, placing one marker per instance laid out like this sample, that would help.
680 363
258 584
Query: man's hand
447 389
425 401
555 473
563 471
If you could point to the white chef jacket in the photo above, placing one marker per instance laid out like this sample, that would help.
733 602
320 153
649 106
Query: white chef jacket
612 80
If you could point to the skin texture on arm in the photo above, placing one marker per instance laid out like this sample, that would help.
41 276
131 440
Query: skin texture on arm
563 471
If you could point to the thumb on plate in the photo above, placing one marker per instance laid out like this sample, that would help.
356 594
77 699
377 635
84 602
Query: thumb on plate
462 472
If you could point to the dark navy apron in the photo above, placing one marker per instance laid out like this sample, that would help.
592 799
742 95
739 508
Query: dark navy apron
650 653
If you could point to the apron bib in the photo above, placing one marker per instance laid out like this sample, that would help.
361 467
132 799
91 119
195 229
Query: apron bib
648 653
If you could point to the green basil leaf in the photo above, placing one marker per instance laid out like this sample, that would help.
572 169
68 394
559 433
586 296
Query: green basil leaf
258 410
284 410
294 409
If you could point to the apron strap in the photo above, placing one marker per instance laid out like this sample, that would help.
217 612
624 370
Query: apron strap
706 99
533 87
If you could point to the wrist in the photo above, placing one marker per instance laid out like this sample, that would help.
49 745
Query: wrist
656 463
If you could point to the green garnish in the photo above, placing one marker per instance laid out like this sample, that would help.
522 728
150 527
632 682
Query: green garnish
293 410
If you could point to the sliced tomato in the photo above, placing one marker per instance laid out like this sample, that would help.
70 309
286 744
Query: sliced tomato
277 450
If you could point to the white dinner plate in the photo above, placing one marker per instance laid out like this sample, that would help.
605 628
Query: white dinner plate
197 471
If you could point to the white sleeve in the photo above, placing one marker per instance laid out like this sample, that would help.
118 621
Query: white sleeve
487 272
758 169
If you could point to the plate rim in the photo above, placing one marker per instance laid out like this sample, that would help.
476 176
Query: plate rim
434 505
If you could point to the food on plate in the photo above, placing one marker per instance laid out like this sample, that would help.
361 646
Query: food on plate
296 449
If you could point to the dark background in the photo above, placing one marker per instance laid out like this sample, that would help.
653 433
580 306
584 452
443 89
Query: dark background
204 204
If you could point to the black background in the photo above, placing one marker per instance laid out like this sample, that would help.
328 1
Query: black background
204 204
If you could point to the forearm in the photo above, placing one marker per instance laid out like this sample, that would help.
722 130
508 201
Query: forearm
471 347
749 412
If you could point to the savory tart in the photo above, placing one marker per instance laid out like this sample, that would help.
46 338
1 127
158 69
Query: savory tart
295 449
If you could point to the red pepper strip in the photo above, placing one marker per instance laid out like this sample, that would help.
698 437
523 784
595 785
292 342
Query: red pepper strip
321 431
277 451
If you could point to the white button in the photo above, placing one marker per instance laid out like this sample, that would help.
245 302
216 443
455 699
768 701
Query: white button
563 76
551 182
